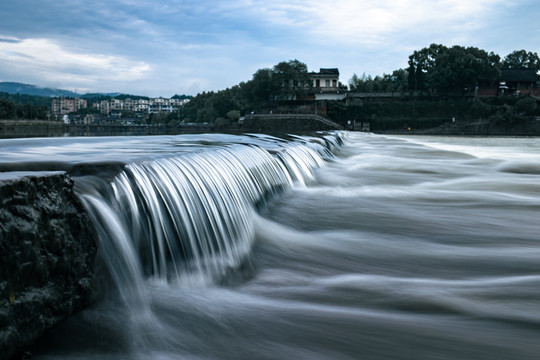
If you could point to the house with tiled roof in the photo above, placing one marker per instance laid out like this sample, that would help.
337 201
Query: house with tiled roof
520 82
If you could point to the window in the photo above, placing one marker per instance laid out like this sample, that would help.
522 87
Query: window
327 83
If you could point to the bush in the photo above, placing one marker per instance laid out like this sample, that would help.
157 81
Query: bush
526 105
233 115
222 122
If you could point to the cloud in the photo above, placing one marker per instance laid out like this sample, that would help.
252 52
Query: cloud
51 62
372 36
8 39
163 47
368 22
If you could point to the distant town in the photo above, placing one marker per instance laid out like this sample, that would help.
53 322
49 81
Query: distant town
112 109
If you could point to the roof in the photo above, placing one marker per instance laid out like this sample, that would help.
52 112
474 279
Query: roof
520 75
328 71
332 71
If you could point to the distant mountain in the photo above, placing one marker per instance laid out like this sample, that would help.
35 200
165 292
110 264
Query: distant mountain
95 95
26 89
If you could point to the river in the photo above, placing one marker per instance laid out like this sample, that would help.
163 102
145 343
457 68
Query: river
384 247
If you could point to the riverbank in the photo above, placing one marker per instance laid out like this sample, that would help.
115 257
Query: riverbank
276 124
529 127
510 115
31 128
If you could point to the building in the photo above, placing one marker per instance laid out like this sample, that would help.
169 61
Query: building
325 79
326 85
102 106
520 82
141 106
115 107
162 105
62 106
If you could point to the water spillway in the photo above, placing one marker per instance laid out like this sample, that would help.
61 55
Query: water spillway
177 209
190 217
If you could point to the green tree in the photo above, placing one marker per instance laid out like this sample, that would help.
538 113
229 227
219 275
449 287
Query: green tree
7 109
521 60
233 115
421 62
182 97
526 105
260 88
455 69
207 114
458 69
364 84
128 114
291 78
395 82
399 80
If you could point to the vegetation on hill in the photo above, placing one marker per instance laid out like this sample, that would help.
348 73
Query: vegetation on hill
285 81
421 91
455 70
23 107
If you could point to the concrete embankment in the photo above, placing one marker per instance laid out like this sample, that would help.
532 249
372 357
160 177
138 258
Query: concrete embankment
31 128
478 128
287 123
47 256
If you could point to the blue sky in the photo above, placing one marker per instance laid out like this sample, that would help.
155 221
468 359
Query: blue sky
162 48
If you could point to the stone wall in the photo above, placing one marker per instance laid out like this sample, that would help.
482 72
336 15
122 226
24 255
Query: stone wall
47 255
267 123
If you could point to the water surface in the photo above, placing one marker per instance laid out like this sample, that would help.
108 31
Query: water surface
389 248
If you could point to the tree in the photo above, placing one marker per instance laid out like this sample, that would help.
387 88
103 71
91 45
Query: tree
399 80
260 88
421 62
291 78
411 77
126 114
182 97
7 109
458 69
207 114
526 105
233 115
452 70
365 84
396 82
521 60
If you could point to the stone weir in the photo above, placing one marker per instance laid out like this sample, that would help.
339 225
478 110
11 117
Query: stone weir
47 256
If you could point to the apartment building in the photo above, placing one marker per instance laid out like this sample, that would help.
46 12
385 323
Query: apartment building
140 106
63 106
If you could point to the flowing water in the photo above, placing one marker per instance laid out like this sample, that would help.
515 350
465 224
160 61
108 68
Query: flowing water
252 247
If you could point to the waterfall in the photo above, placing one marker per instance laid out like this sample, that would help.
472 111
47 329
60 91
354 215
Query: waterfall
189 217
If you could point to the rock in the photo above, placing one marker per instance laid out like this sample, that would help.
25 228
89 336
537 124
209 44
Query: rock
47 255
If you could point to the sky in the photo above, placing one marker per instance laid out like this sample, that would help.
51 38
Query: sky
163 48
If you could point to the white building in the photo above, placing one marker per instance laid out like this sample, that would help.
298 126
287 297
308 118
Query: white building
326 85
140 106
